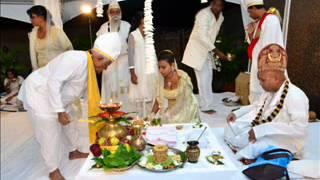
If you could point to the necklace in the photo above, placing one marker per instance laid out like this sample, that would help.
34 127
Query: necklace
258 120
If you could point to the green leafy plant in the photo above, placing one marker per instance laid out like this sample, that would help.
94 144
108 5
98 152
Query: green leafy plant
123 157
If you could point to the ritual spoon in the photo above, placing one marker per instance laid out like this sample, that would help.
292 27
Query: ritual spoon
202 133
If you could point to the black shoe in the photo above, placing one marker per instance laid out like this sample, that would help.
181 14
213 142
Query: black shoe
211 111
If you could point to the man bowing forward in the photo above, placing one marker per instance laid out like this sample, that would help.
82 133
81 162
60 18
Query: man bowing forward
49 92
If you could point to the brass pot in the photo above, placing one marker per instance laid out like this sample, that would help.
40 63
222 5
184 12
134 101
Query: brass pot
138 141
112 129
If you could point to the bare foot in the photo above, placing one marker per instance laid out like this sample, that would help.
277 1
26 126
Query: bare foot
77 155
56 175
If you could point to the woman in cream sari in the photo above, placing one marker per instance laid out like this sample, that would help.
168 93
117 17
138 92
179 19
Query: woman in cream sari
175 100
46 40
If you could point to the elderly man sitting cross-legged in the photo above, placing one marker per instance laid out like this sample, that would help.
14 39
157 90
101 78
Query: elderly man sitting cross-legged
279 118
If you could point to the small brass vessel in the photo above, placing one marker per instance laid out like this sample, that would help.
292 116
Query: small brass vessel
138 141
193 151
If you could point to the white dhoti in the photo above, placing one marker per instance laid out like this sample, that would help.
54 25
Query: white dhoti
49 133
237 137
204 80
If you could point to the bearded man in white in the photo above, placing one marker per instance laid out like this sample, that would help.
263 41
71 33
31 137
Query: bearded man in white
279 118
115 80
200 49
264 30
49 92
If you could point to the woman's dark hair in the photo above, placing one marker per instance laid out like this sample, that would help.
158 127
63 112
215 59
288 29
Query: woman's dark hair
136 20
166 55
257 7
40 11
13 71
223 1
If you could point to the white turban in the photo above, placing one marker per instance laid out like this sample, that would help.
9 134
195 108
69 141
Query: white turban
253 3
114 5
108 45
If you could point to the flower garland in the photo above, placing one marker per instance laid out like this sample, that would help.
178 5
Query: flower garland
216 61
99 8
275 112
151 63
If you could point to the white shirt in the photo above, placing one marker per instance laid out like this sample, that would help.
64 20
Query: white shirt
288 129
57 85
203 36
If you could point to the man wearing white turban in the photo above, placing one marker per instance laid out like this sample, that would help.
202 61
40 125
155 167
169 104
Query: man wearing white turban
265 29
115 80
49 92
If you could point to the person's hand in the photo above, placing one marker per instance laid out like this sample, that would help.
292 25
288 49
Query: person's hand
134 78
231 118
63 118
9 99
250 29
223 57
151 116
252 136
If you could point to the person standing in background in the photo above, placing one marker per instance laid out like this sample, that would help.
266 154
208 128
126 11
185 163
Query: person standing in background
265 29
143 86
46 40
115 80
200 49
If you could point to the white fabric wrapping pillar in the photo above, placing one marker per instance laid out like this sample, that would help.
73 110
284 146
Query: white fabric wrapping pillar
151 59
54 6
246 20
285 24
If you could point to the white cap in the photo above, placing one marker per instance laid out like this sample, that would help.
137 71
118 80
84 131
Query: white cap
113 5
108 45
253 3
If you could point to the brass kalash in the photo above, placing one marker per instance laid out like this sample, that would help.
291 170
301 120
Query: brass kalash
111 115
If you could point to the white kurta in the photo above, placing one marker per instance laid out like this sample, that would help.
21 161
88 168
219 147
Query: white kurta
287 130
52 89
197 56
203 36
145 89
115 80
270 33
